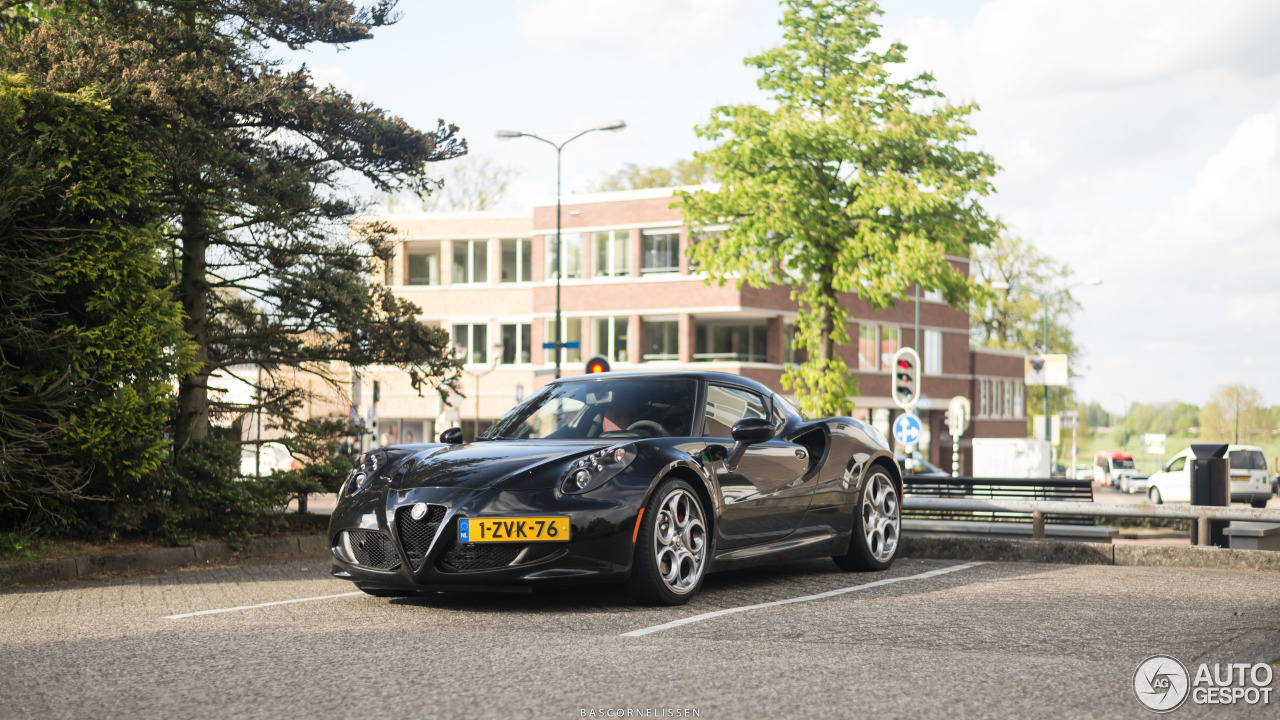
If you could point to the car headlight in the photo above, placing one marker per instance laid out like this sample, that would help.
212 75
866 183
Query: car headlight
591 471
368 466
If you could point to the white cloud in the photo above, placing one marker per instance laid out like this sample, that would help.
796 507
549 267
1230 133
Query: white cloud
1040 47
1141 143
652 28
1193 285
337 77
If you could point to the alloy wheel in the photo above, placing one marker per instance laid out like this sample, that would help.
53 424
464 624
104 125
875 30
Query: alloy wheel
881 517
680 541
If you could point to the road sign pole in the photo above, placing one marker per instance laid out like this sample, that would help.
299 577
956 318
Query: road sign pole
955 456
958 412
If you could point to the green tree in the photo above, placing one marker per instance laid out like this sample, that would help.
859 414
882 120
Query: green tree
855 182
1236 414
254 163
635 177
91 336
1013 318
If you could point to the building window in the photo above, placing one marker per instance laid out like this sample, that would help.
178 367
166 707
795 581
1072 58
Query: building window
789 349
1017 398
517 261
571 249
738 343
613 253
932 352
571 331
707 234
424 265
471 343
470 261
868 340
890 341
933 296
516 344
662 341
610 338
983 402
660 251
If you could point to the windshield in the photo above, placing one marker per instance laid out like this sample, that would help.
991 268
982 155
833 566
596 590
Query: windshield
1125 464
1247 460
622 408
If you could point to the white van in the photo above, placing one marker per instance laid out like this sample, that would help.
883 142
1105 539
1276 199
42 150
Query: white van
1249 477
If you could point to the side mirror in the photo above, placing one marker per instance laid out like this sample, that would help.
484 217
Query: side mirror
747 432
452 436
750 431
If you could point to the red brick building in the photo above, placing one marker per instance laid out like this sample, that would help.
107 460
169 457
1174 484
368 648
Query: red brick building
629 293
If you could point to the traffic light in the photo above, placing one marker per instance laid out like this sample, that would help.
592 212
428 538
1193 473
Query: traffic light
597 364
377 391
906 378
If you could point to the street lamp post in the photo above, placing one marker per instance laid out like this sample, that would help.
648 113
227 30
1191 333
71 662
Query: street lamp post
614 126
496 350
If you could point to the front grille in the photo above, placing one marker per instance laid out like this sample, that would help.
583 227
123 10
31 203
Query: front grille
416 535
479 556
373 549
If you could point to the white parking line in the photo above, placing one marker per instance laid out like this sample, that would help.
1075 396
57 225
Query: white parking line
260 605
804 598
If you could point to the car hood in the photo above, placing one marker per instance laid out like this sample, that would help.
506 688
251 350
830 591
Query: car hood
535 463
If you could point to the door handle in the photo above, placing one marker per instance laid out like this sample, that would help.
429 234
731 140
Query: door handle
801 454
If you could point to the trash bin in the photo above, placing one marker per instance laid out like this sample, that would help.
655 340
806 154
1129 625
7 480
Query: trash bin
1210 485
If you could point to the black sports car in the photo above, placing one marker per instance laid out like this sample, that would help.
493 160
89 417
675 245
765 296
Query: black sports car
654 479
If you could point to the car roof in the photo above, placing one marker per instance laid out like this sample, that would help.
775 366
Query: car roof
705 375
1233 448
1115 454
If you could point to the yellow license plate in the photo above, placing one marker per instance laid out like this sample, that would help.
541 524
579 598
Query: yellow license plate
519 529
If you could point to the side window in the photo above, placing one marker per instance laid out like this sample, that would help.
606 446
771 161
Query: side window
726 406
1178 464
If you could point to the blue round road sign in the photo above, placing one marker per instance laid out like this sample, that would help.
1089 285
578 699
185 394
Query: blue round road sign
906 429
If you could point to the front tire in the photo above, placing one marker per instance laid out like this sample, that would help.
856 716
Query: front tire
877 526
1258 503
673 547
1154 496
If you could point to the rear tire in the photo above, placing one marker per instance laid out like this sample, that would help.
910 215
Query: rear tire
1154 496
673 547
877 526
1258 503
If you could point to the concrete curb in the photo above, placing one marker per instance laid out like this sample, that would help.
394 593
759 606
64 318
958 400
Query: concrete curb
34 572
950 547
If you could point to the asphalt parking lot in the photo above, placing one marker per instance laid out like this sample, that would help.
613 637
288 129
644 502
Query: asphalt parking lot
926 639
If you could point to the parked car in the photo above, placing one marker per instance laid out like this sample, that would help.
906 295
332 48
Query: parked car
1116 468
652 479
915 464
1248 477
269 457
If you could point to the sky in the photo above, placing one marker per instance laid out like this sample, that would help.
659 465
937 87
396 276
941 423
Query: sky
1139 141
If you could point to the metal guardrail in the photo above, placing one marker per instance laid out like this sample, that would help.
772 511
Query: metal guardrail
1039 508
